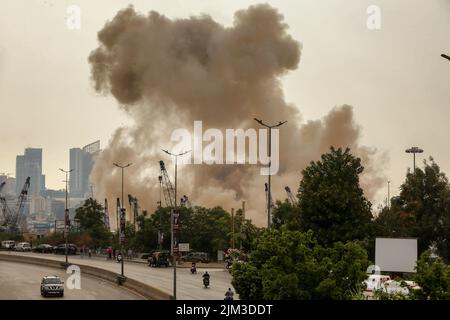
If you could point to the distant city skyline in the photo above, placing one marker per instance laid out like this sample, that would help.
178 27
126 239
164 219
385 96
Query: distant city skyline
30 163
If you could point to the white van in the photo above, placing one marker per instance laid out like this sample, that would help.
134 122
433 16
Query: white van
23 246
8 244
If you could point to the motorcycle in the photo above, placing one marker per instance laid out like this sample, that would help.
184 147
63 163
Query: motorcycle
206 282
193 270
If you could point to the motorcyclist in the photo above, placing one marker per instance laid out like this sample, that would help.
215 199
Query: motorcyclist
193 268
206 279
229 294
229 263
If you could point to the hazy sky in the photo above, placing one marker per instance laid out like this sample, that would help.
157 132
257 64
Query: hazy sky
393 77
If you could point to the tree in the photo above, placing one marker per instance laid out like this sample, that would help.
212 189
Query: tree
331 201
91 219
393 222
433 277
292 265
207 230
425 201
285 214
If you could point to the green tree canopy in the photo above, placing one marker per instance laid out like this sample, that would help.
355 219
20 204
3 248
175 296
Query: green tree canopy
331 201
292 265
433 277
422 210
91 220
285 214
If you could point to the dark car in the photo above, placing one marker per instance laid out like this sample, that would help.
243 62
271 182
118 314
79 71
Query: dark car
52 285
61 249
159 259
43 248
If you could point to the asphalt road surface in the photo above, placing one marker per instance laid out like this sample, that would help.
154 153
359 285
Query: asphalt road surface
22 281
189 286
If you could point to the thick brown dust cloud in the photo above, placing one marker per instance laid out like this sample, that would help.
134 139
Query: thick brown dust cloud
167 73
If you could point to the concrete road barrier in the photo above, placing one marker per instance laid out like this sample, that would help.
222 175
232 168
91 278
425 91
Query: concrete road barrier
143 289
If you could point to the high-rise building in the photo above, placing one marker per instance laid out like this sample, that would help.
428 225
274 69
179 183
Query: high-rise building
30 165
82 161
10 186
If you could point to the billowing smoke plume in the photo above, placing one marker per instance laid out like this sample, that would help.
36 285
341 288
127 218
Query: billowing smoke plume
167 73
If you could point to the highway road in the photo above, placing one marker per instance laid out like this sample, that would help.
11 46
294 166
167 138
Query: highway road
189 286
22 281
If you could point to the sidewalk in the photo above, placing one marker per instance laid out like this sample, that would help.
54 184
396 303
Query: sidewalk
180 264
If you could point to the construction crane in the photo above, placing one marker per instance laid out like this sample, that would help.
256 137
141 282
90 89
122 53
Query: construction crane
106 218
3 203
185 202
168 190
291 197
133 201
13 218
268 196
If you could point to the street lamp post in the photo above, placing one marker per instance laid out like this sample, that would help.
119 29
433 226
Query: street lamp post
160 213
414 150
66 215
120 231
174 261
270 163
389 197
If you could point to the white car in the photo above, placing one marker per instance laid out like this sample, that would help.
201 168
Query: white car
8 244
23 246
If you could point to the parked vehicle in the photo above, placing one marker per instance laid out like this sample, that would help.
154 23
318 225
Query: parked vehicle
52 285
196 257
23 246
384 283
145 256
43 248
61 249
159 258
8 244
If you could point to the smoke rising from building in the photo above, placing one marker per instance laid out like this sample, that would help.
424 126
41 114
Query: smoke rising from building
167 73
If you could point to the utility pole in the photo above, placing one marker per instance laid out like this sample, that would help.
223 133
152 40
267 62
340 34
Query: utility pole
122 227
160 213
66 216
270 163
174 248
232 228
242 224
389 196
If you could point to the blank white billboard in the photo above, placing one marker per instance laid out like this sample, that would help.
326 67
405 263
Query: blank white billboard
396 254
